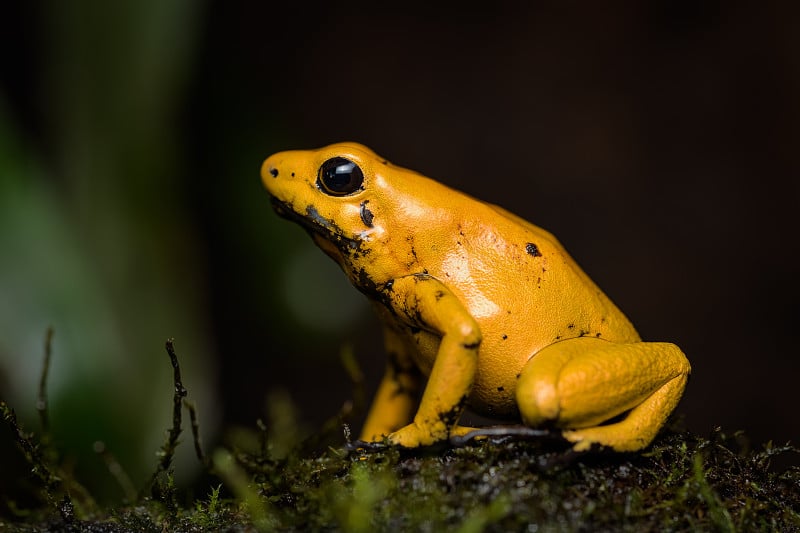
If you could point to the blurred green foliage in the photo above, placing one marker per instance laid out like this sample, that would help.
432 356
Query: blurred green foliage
95 239
129 214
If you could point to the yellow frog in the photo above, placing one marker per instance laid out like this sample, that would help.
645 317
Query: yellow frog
487 306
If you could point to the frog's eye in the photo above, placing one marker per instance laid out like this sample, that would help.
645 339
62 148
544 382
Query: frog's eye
339 177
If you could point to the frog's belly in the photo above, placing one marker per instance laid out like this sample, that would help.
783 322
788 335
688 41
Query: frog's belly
494 392
499 366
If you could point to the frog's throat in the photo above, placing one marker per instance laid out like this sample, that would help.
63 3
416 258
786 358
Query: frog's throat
316 224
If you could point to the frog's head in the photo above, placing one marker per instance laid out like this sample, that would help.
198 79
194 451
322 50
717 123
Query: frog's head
347 198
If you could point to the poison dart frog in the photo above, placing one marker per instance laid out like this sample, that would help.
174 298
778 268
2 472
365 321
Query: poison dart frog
480 309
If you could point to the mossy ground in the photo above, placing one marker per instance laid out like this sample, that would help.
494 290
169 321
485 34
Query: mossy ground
267 480
681 483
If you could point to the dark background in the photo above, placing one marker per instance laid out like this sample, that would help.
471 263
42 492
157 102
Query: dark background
657 140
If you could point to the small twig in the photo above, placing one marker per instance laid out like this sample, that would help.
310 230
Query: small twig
168 449
198 446
40 455
263 438
41 401
32 453
116 470
165 493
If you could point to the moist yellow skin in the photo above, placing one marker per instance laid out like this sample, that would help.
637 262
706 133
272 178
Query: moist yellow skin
488 307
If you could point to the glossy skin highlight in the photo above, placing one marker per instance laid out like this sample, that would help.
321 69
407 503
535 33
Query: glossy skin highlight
488 307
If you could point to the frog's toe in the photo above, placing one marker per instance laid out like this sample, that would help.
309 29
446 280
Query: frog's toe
415 436
595 438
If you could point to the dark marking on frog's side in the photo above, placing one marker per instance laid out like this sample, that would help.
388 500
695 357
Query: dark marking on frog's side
366 214
597 334
366 283
374 291
410 241
501 389
292 174
505 336
533 250
438 295
518 375
274 172
571 326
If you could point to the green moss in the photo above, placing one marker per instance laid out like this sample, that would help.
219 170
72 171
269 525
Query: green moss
266 479
682 482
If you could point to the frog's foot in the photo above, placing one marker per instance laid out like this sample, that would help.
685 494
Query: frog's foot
460 431
581 384
416 435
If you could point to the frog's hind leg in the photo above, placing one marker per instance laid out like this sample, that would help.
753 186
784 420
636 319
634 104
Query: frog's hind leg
580 384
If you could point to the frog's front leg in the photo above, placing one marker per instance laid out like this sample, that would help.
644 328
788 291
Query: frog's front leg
424 302
580 384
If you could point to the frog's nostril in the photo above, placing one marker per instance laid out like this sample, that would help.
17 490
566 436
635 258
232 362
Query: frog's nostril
273 172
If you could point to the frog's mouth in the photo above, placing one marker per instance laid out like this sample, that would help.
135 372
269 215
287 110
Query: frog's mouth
312 220
316 224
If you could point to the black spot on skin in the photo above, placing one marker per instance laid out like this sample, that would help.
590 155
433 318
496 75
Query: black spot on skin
533 250
274 172
292 174
518 376
505 336
366 214
438 295
571 326
500 389
597 334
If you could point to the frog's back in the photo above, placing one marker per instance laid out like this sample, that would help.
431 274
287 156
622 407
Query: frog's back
517 279
514 276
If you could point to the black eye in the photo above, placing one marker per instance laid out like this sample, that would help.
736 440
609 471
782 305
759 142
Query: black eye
339 177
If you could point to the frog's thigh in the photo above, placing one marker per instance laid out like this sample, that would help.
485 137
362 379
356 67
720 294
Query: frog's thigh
577 384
